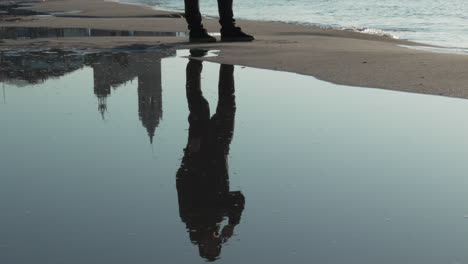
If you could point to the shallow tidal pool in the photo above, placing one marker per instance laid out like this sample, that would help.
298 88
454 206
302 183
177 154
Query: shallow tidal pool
156 157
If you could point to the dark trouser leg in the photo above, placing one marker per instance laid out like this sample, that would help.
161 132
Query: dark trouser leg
192 14
226 15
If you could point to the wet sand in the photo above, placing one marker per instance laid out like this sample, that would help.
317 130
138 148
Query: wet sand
337 56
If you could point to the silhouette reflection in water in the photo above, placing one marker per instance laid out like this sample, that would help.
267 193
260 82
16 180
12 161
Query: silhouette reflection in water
203 179
205 201
110 70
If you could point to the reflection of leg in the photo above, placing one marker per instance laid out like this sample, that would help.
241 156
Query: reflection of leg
198 106
226 16
192 14
226 88
226 109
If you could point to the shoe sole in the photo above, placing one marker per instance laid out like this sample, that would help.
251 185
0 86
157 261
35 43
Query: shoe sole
237 39
202 40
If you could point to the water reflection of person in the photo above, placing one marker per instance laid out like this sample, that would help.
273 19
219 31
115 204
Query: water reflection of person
203 180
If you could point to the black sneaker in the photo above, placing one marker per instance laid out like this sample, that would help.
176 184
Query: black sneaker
200 35
235 34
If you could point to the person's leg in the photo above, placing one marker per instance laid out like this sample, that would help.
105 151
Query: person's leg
193 15
226 15
229 31
194 21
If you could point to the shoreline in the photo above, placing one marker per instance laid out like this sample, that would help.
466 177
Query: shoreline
381 33
337 56
376 31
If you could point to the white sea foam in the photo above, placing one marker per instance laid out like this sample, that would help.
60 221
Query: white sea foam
450 50
371 31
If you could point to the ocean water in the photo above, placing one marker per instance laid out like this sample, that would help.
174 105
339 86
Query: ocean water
436 22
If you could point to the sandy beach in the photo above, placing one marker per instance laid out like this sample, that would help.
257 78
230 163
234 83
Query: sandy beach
336 56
